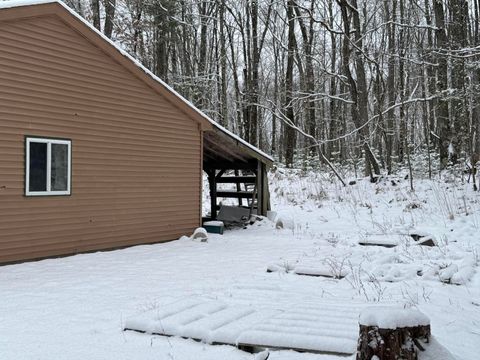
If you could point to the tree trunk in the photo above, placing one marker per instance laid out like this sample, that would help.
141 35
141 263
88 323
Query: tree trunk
95 6
443 122
110 6
389 131
309 75
223 65
334 121
202 60
430 77
358 86
476 82
161 58
236 84
458 39
254 86
290 133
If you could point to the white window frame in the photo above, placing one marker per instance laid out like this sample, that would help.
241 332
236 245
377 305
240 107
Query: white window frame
49 143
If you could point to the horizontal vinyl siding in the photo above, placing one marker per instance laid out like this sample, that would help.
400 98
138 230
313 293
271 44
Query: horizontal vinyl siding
136 159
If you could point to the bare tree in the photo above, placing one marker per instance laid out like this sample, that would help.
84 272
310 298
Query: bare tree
290 134
110 6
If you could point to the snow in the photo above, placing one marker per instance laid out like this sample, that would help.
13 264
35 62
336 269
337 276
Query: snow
331 328
262 355
392 318
324 270
434 351
310 266
200 319
285 221
271 215
446 274
78 306
213 223
318 327
19 3
200 234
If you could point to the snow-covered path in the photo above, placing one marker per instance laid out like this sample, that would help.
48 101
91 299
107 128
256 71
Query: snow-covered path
75 307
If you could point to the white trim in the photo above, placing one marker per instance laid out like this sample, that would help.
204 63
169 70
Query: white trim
49 166
49 143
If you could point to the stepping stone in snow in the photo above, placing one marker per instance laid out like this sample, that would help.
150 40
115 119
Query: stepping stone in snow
320 271
427 241
388 243
309 268
417 235
423 238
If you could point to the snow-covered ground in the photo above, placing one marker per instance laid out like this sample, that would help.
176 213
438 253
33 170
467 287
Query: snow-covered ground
76 307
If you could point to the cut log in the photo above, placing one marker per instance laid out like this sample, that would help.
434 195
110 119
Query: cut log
391 344
388 334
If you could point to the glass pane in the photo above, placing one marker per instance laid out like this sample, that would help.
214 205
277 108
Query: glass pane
59 174
38 167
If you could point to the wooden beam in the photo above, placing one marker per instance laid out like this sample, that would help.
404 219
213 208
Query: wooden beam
218 164
237 179
235 194
219 175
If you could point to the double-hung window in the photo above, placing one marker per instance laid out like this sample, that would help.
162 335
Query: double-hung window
47 166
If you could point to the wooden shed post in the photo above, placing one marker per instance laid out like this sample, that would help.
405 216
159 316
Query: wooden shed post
262 186
259 186
212 182
263 195
265 191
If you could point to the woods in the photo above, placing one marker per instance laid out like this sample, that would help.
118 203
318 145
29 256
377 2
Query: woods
368 83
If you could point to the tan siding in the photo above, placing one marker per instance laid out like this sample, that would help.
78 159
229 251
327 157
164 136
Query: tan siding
136 158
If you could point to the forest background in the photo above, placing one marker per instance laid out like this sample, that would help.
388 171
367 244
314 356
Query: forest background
366 83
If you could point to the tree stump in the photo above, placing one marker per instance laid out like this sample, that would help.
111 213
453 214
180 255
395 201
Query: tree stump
400 336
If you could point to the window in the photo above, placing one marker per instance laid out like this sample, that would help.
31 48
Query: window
47 166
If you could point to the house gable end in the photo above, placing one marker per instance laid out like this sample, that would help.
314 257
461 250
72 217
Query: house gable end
74 22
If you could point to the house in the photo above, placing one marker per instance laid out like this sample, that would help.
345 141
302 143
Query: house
96 152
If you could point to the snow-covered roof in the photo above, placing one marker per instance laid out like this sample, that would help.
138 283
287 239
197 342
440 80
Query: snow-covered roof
19 3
